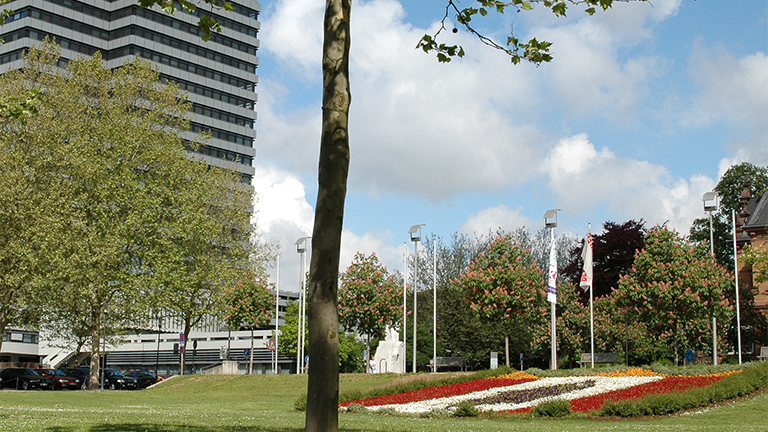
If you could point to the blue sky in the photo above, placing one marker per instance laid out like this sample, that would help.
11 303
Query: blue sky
641 111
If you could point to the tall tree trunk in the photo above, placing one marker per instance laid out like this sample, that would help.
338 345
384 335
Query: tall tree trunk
506 348
7 301
323 385
676 358
183 355
93 380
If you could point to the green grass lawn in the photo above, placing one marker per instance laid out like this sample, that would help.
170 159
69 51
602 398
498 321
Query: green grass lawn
265 403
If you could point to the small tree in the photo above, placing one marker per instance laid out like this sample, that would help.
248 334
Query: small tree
369 298
505 285
249 302
671 286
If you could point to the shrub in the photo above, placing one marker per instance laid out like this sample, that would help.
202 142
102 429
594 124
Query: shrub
552 408
752 377
300 404
356 408
466 409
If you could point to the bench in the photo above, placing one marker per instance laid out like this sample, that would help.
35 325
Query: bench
600 358
448 362
763 353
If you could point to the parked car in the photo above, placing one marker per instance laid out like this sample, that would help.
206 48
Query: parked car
60 379
23 379
115 380
144 378
83 374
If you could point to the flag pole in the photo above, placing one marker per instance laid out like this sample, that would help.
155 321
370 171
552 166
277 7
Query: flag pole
591 302
736 271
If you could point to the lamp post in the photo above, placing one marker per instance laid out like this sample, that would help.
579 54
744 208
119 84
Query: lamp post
550 221
415 233
301 248
405 292
277 311
710 205
434 306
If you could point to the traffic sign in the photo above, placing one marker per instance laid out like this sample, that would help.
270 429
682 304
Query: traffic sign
271 344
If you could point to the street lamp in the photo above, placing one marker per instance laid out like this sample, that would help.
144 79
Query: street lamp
710 205
277 312
415 234
550 221
301 248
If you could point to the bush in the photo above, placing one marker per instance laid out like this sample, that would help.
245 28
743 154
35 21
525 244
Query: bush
553 408
752 377
466 409
356 408
300 404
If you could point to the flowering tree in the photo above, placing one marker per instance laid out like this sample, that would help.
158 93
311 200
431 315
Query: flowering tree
672 286
369 298
249 302
505 285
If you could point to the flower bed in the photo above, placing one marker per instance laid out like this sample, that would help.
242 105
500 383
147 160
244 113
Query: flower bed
439 392
518 392
666 385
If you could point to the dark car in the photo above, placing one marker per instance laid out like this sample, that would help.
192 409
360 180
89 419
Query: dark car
144 378
23 379
115 380
60 379
83 374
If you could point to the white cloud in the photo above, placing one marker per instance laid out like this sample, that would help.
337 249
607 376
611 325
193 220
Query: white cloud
293 32
583 178
370 243
496 217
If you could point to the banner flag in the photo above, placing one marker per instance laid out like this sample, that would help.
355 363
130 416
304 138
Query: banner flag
551 284
586 274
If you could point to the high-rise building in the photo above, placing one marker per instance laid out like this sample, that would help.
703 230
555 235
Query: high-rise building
219 75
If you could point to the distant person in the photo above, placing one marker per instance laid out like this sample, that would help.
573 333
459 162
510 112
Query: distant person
371 365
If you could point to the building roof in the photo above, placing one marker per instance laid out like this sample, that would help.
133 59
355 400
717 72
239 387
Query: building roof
758 212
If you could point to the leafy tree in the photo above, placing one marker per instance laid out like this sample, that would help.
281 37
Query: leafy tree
369 298
202 242
289 331
729 190
111 153
613 254
504 285
734 180
323 387
249 303
350 348
672 285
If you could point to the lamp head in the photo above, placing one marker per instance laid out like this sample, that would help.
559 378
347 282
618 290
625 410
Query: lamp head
710 201
550 218
415 232
301 244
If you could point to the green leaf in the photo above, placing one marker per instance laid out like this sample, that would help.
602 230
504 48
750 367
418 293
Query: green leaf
527 5
559 9
590 11
483 12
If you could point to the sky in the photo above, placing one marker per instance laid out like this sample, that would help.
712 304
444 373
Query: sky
640 112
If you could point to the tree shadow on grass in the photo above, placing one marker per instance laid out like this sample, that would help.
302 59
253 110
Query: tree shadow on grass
149 427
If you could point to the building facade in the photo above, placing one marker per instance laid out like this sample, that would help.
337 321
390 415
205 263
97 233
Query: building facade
219 75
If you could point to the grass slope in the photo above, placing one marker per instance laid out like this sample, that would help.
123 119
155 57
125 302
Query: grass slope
265 403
